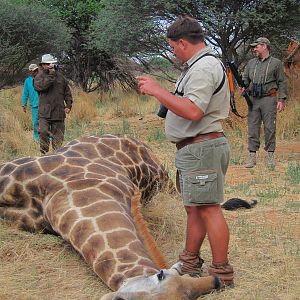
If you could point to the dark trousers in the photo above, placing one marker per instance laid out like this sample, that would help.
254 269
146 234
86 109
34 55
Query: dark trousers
51 131
264 111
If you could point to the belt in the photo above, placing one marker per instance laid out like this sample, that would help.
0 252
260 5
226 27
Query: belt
272 93
199 138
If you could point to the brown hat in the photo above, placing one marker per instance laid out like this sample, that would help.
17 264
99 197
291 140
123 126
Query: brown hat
261 40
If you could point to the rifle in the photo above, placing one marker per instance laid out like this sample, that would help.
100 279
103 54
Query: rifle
231 88
240 82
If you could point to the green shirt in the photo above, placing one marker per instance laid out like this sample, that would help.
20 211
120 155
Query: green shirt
269 72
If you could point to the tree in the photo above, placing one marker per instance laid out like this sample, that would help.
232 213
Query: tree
90 67
25 36
230 25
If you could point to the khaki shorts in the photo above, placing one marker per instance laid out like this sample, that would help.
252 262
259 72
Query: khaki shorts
202 168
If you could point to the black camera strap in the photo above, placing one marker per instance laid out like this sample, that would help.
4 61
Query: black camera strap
217 89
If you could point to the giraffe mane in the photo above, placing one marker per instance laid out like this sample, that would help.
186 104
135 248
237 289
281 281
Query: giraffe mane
143 229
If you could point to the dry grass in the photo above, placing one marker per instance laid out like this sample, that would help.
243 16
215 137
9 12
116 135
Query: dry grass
264 246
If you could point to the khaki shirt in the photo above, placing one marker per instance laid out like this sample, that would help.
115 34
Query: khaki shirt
269 72
199 83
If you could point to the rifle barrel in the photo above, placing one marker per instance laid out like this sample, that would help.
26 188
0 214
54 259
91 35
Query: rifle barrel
240 82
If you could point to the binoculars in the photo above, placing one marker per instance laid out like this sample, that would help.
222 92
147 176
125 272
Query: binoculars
162 112
257 90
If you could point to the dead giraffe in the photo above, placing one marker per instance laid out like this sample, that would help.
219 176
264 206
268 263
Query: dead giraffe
88 193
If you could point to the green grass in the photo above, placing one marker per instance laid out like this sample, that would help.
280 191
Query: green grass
158 136
293 173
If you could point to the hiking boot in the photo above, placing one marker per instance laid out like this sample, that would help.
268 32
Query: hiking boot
189 263
251 160
271 161
224 271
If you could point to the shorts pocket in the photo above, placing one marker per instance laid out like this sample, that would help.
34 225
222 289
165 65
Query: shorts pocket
200 187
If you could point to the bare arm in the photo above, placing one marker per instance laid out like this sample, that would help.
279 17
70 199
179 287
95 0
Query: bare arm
182 107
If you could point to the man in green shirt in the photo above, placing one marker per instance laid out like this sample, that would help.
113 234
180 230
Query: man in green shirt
266 84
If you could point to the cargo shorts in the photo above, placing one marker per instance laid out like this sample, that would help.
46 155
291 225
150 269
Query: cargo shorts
201 168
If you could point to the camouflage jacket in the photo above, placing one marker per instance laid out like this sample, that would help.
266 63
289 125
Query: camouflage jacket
54 95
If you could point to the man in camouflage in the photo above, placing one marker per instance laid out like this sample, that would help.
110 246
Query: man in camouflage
267 86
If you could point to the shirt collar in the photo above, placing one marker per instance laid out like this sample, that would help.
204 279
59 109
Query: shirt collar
197 55
266 58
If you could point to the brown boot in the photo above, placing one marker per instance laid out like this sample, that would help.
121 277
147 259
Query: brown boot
271 160
224 271
189 263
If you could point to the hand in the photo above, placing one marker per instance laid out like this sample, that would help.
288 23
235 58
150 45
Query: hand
280 106
24 109
242 89
147 85
67 110
51 71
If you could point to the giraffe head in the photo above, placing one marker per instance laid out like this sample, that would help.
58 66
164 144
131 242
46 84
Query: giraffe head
166 284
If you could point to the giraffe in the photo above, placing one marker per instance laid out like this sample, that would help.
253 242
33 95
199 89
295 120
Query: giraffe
291 62
89 192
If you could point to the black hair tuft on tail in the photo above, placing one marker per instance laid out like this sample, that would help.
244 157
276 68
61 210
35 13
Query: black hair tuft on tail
237 203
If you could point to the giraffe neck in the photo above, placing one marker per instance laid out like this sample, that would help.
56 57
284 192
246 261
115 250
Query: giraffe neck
109 235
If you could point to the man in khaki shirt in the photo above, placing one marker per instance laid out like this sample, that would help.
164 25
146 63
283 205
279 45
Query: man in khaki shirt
193 122
267 86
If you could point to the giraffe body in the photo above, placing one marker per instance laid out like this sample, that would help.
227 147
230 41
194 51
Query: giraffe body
85 193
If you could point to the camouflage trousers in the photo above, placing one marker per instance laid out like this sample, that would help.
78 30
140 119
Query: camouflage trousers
264 112
51 131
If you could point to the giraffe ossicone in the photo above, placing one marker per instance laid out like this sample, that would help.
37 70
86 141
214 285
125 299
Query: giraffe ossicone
89 192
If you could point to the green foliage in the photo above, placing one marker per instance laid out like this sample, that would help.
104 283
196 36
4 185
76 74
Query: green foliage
138 26
134 29
76 14
159 62
25 35
92 68
293 173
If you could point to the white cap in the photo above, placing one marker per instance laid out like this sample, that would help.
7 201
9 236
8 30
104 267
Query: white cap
33 67
48 59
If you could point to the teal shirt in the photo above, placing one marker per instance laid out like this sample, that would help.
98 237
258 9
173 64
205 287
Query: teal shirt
30 92
269 72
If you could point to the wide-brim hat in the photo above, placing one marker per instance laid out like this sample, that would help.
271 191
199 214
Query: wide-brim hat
261 40
48 59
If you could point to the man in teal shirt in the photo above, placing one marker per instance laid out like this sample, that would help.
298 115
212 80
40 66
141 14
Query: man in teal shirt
30 93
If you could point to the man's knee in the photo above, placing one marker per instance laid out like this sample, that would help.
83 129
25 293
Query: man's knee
207 211
203 210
